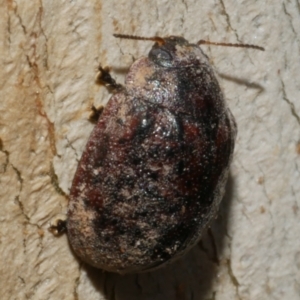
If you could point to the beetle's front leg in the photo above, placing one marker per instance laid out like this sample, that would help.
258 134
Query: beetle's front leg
105 78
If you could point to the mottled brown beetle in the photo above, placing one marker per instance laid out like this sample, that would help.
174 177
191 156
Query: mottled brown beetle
154 169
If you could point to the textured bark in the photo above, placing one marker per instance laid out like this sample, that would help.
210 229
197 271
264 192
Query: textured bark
49 55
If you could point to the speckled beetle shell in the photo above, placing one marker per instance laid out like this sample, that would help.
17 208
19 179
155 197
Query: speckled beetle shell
154 169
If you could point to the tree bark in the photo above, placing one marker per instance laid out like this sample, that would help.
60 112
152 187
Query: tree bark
50 51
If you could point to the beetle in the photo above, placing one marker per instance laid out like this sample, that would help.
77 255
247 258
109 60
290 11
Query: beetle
154 169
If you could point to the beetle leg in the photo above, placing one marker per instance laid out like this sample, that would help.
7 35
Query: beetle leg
59 227
105 78
96 113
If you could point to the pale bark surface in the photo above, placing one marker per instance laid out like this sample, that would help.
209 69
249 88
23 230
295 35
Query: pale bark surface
50 51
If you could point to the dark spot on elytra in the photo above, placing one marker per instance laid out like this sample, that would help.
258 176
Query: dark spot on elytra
125 181
154 151
180 167
141 213
172 239
153 175
120 121
170 151
95 180
189 183
179 128
135 160
151 190
100 151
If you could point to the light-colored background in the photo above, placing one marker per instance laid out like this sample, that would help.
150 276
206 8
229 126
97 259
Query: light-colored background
50 51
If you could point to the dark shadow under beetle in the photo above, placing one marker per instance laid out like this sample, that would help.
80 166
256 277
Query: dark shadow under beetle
190 277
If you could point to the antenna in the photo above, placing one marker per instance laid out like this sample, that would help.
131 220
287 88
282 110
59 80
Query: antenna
156 39
203 42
